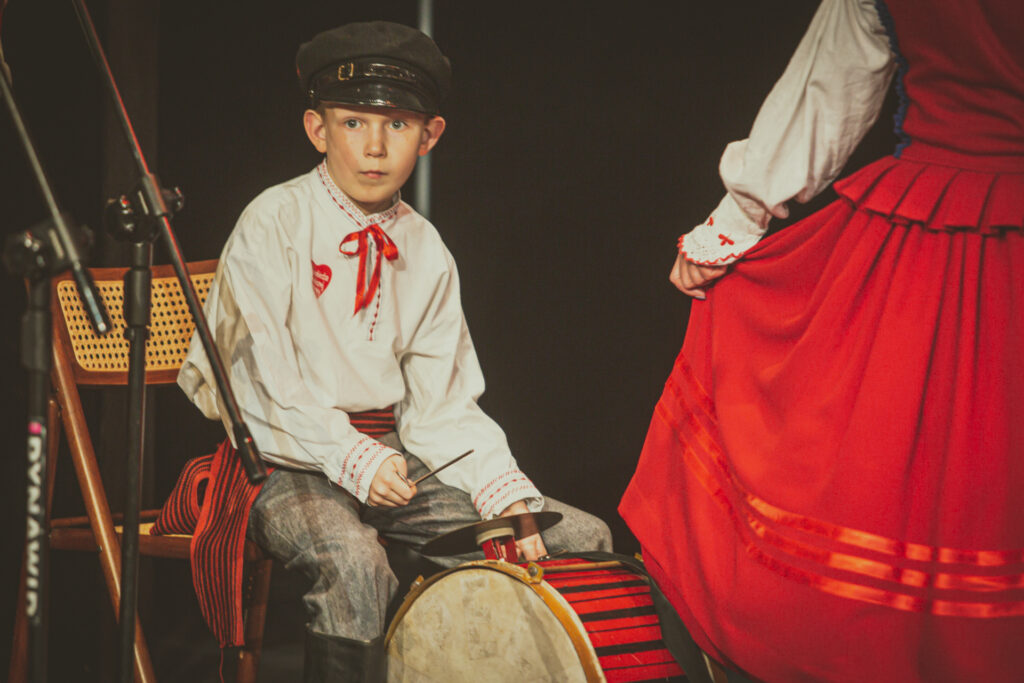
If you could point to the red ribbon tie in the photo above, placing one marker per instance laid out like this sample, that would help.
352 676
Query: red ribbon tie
385 247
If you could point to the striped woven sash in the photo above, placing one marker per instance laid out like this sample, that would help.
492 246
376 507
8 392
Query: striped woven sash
211 500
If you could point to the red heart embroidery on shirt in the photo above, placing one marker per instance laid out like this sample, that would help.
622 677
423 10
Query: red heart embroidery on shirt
321 278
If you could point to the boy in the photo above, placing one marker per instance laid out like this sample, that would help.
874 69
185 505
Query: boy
335 301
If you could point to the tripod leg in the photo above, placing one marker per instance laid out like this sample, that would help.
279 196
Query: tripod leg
18 671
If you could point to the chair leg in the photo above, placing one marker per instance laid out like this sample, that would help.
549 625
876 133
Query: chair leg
257 590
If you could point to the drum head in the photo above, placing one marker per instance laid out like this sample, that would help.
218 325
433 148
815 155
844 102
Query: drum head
477 624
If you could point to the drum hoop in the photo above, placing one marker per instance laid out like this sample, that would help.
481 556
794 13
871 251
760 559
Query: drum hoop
553 599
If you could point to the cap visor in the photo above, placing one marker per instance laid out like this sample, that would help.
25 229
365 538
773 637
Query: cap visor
370 94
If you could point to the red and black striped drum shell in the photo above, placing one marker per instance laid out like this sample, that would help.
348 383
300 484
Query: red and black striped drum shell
557 620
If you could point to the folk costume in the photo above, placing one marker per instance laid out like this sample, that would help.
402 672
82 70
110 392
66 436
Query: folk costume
323 311
301 259
831 485
345 343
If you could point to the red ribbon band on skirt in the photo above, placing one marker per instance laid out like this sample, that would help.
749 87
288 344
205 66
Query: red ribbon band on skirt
762 526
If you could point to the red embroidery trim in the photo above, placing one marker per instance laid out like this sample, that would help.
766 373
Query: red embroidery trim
346 205
493 482
376 310
495 507
717 261
356 468
506 489
712 262
348 456
359 459
380 450
490 502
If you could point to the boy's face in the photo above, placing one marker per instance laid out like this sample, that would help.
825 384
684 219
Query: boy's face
371 151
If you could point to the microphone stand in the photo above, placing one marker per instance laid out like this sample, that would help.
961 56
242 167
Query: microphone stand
38 254
144 214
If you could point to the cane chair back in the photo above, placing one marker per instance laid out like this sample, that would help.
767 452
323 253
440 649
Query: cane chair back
81 358
104 360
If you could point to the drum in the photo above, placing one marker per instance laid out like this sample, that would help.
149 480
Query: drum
555 620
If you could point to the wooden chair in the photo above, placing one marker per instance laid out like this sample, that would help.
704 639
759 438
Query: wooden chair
82 358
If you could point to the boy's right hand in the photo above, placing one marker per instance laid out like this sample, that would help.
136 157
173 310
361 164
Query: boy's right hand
391 487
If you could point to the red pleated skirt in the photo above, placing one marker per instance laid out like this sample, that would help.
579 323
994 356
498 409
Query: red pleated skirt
832 487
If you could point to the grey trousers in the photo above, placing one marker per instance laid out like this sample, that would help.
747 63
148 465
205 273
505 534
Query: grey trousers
317 528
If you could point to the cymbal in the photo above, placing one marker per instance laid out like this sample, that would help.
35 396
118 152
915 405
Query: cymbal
463 540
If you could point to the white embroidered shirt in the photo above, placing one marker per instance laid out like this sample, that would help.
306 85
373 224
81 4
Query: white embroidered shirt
812 120
299 360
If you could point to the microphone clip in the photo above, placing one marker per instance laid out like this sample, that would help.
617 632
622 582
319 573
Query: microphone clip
38 252
136 217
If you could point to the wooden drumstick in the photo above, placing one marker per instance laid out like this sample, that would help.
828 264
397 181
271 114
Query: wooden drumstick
438 469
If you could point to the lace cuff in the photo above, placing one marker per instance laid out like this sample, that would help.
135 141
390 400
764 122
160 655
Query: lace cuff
724 237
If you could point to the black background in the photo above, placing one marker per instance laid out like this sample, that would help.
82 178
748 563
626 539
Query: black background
581 142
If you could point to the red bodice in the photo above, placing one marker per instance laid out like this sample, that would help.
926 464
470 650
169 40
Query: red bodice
962 75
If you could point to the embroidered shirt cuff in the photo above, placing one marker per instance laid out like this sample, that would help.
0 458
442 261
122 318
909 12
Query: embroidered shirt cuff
360 464
725 236
505 489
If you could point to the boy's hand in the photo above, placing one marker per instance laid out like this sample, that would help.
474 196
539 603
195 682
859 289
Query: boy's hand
531 547
391 487
691 278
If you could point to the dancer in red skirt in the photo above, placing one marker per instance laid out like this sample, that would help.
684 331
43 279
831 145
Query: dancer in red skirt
832 487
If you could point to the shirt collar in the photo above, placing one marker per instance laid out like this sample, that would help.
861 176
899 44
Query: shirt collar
349 207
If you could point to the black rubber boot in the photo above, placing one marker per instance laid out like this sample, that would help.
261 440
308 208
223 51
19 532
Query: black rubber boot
333 659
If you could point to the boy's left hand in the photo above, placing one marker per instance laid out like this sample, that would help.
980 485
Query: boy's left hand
531 547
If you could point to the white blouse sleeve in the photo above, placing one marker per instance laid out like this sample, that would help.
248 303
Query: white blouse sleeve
249 310
439 417
812 120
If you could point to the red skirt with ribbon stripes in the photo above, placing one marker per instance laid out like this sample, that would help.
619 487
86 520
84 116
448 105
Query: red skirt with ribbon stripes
832 487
